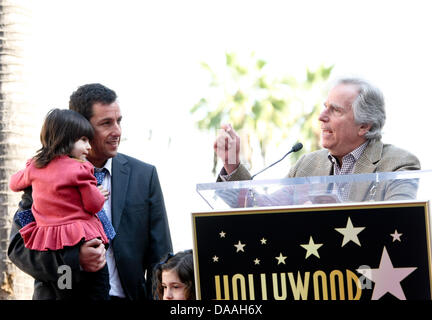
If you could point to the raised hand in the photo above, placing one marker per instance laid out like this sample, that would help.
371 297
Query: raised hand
227 147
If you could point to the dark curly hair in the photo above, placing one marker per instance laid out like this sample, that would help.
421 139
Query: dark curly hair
182 263
83 99
61 129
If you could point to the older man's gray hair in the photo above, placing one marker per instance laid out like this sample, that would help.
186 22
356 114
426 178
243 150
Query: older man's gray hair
368 107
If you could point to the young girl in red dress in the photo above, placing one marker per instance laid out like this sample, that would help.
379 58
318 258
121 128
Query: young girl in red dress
65 198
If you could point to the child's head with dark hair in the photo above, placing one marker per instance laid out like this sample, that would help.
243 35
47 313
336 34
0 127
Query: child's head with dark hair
61 129
174 277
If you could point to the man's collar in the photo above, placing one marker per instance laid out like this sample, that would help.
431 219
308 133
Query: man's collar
356 153
108 166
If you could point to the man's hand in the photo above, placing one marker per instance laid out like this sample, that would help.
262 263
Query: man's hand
92 255
104 192
227 147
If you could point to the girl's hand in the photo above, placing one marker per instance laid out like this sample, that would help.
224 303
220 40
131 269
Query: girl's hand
104 192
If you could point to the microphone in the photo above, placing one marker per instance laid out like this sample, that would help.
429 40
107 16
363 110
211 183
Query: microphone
298 146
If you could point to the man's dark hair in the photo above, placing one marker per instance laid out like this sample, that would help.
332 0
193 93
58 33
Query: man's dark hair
83 99
61 129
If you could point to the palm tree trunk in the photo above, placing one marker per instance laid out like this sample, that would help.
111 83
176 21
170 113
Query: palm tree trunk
15 141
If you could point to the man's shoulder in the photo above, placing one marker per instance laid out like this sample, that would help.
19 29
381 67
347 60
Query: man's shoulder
393 151
399 158
124 159
390 149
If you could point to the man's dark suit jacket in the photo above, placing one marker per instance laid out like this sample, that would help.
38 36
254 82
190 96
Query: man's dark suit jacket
140 220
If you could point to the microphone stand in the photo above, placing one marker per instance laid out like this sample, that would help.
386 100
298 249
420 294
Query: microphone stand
295 148
298 146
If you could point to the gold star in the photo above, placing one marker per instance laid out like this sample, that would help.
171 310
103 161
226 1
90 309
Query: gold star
281 258
257 261
215 258
396 236
312 248
263 241
240 246
222 234
350 233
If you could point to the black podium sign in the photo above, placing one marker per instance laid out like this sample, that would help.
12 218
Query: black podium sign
333 252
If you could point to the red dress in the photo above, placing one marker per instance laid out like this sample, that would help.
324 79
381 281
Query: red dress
65 202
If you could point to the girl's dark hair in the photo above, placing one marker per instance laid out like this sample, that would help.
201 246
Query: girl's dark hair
61 129
182 264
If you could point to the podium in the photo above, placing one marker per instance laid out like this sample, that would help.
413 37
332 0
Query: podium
349 237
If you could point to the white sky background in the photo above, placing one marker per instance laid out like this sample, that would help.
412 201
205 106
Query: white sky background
149 52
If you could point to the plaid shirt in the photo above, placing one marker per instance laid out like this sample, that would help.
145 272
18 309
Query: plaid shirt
348 164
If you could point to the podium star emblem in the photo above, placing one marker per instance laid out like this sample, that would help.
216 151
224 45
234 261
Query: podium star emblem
396 236
350 233
311 248
240 246
387 278
281 258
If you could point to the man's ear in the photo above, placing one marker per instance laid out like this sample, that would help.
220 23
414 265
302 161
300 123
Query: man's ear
364 128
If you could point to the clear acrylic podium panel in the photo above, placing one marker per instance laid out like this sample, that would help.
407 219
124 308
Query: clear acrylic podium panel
318 190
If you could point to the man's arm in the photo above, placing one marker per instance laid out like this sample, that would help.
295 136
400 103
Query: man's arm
402 189
41 265
241 173
160 237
